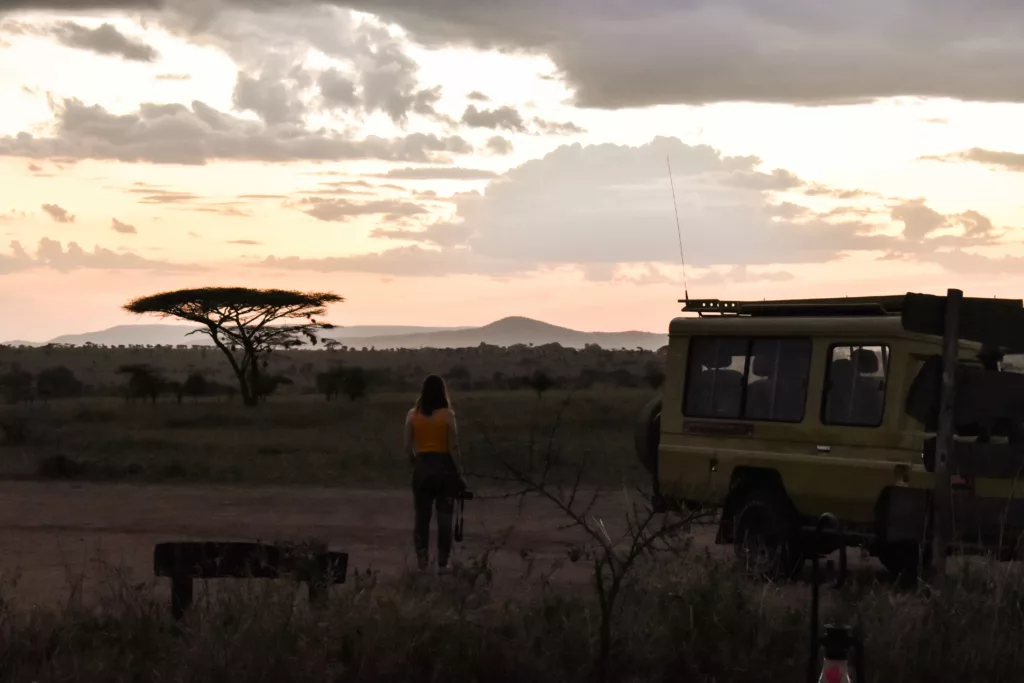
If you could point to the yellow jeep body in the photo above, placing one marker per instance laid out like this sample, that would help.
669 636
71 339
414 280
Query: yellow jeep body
815 406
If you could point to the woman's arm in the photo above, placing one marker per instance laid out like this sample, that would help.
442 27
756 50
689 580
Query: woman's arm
453 441
407 445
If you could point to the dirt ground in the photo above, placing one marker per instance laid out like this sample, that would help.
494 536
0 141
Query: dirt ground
61 539
54 536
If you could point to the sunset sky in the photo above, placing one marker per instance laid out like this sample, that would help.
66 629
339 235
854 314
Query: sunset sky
452 162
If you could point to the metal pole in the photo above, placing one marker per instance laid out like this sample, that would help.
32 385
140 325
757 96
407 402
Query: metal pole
942 499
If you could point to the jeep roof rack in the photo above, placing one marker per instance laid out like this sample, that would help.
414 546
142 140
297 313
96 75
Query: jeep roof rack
996 323
853 306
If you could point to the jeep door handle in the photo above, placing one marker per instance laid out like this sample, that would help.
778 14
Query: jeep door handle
823 449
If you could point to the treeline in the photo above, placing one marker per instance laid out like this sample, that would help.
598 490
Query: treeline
42 374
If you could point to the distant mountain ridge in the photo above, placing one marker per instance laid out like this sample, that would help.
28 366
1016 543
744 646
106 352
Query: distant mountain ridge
505 332
509 332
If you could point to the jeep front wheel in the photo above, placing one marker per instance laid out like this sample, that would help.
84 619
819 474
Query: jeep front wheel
766 536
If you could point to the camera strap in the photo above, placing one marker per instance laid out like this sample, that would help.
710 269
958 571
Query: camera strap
460 505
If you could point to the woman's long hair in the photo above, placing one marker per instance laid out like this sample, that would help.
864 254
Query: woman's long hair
433 396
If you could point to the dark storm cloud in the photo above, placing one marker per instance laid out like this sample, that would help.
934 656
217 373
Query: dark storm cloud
645 52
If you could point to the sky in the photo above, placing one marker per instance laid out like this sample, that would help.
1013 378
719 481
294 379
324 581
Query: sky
453 162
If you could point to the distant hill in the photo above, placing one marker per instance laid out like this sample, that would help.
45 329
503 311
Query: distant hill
508 332
164 334
505 332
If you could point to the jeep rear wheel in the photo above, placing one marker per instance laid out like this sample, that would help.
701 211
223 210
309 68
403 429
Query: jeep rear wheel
903 560
766 536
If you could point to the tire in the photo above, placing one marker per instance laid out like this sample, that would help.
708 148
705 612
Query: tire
647 435
903 560
766 536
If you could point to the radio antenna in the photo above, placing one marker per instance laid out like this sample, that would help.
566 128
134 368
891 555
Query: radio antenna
679 230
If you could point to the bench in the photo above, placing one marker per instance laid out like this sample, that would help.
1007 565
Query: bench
183 562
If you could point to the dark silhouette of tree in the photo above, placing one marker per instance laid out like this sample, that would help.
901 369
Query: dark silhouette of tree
329 382
16 385
58 382
355 383
144 381
268 384
540 382
248 322
654 376
195 385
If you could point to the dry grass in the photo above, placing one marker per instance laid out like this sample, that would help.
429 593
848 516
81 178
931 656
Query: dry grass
303 440
686 618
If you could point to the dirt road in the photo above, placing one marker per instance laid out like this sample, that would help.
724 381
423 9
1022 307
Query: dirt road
55 534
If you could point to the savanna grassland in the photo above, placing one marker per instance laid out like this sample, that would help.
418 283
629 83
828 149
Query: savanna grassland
96 475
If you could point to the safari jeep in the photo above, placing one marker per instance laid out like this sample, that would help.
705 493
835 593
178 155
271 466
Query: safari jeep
773 413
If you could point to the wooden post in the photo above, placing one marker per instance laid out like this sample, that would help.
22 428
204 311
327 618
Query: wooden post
942 496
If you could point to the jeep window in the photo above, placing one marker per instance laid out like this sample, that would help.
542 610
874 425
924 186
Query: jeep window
855 385
748 379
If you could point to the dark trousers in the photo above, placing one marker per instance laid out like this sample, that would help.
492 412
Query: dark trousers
435 483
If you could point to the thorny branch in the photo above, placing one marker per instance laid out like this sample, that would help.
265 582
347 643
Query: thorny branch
613 560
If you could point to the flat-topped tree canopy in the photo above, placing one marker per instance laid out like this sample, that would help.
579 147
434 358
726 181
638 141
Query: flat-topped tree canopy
204 301
254 321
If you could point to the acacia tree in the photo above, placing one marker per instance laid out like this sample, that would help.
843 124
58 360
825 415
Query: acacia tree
245 324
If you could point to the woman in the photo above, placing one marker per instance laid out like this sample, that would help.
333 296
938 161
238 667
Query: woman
432 442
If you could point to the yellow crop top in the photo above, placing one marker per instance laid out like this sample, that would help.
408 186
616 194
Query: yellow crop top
430 434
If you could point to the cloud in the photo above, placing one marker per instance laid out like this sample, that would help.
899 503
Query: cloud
558 128
778 180
819 190
1010 161
12 215
499 145
343 210
442 173
51 254
187 201
921 223
503 118
436 234
338 90
173 77
612 204
245 242
654 274
605 209
124 228
649 52
176 134
477 96
273 95
58 213
411 261
105 39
